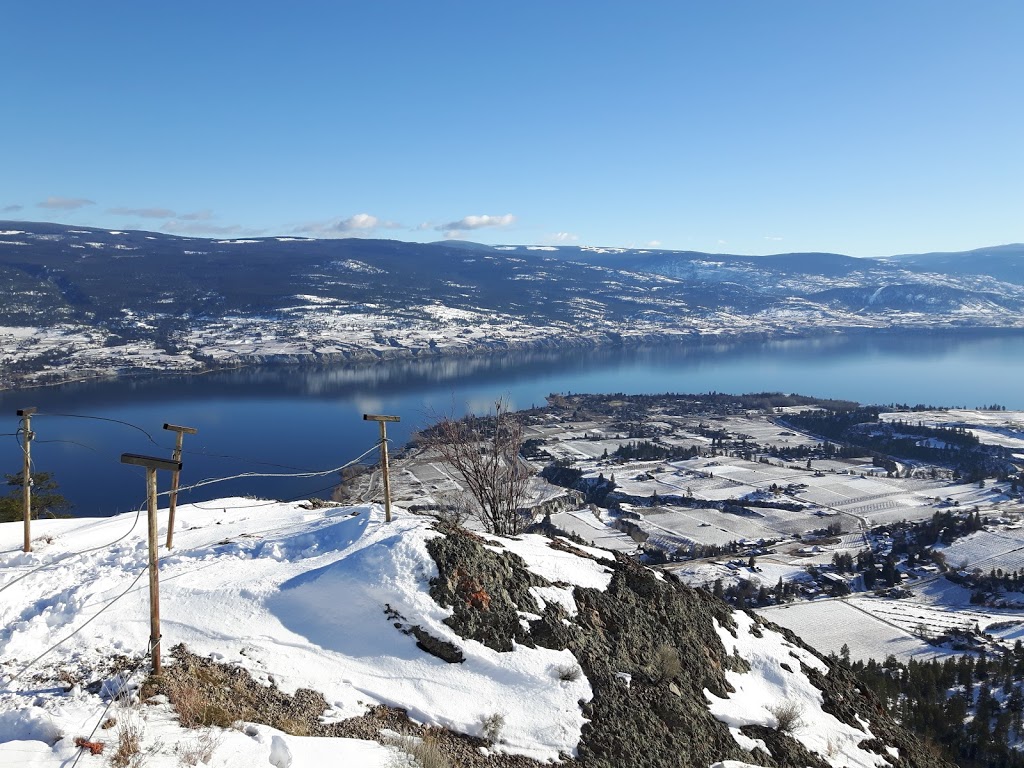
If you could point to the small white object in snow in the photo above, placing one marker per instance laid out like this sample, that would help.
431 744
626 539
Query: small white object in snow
280 755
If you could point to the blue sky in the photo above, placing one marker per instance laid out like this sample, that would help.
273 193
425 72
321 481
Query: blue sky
865 128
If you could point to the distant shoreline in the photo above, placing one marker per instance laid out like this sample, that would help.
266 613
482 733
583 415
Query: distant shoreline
553 345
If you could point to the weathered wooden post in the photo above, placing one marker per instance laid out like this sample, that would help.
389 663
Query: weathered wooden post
383 420
152 464
175 476
26 472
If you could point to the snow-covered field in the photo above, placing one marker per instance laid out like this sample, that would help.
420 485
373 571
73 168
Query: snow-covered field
829 624
1005 428
988 550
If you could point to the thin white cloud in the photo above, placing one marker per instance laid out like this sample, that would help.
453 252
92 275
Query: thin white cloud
359 223
12 208
562 237
201 229
773 238
654 243
204 215
477 222
64 203
145 213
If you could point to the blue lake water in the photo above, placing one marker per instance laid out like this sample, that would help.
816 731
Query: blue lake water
277 418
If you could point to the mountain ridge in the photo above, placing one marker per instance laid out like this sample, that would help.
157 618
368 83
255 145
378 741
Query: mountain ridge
85 301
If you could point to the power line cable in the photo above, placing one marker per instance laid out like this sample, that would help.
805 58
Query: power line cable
70 442
68 555
92 618
238 458
297 475
104 418
125 680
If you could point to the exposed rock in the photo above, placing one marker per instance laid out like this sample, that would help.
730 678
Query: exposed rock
654 720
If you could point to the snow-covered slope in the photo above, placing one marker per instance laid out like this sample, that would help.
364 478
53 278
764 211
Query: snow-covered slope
340 602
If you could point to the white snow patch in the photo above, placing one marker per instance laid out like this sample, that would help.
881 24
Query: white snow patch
555 565
769 684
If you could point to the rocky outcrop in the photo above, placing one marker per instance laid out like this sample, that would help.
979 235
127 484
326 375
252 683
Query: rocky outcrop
650 650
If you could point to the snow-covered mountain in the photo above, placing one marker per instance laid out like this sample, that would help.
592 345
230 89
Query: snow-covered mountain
81 302
334 638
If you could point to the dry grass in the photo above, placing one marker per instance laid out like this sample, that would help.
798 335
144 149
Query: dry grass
196 709
666 664
199 750
421 753
568 673
206 694
129 745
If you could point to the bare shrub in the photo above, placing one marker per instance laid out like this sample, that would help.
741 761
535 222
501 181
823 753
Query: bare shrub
129 745
194 707
347 489
198 750
490 727
666 663
484 451
454 508
788 716
422 753
568 673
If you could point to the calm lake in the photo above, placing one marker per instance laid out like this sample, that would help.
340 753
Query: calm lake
286 419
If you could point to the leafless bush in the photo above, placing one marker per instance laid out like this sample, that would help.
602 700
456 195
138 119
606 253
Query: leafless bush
788 716
484 450
568 673
666 663
198 750
454 508
129 745
421 753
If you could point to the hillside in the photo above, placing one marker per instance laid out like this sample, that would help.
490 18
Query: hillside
87 302
338 632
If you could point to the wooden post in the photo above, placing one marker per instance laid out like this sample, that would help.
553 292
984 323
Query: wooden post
26 473
385 471
152 464
175 476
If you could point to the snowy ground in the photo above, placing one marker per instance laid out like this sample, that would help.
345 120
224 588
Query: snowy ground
1005 428
829 624
284 592
774 680
295 597
1003 548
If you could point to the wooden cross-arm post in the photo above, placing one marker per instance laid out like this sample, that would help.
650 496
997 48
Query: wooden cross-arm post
383 420
152 464
26 473
175 477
